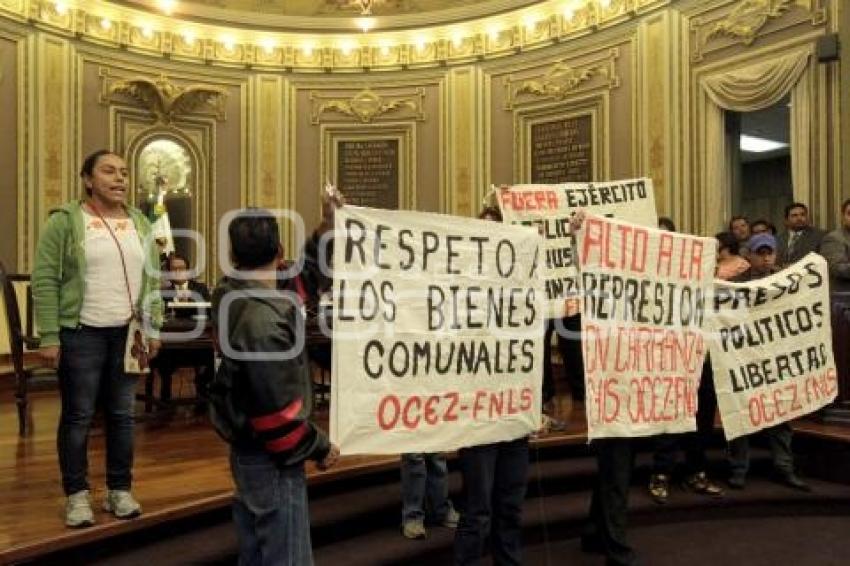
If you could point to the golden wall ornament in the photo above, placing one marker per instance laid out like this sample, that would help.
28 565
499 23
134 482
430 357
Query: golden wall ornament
367 105
563 80
166 100
747 18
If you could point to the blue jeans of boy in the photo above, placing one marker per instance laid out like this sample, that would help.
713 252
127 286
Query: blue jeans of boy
270 510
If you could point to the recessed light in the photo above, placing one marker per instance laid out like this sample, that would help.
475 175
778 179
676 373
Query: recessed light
752 144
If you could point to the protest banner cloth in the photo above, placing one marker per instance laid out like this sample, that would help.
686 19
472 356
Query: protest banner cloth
645 295
437 332
550 207
771 347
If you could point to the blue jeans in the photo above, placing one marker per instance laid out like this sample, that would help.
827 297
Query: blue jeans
91 364
779 439
270 510
424 477
494 482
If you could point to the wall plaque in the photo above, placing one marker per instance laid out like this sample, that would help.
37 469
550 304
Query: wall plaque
562 151
368 172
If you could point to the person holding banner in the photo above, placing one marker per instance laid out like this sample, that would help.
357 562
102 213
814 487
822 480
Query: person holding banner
261 395
730 263
693 443
494 483
425 487
763 251
605 532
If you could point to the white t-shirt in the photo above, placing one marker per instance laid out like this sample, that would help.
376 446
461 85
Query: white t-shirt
105 301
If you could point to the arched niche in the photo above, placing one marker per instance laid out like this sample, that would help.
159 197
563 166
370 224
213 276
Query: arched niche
166 169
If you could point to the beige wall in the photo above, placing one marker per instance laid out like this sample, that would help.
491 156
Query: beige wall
9 187
637 78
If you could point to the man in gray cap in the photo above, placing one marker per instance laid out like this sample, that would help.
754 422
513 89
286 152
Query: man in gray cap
762 264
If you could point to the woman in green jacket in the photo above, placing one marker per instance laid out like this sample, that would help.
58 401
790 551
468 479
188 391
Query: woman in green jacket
95 269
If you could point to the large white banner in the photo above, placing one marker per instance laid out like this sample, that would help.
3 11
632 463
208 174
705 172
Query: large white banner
771 349
549 207
646 294
438 332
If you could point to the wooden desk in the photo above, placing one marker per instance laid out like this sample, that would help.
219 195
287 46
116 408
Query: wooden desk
194 337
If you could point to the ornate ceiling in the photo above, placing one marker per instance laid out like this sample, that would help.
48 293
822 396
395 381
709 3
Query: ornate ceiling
324 8
432 35
337 15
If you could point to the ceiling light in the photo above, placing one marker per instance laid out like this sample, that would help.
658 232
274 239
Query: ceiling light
189 37
569 12
529 22
167 6
752 144
604 4
268 45
365 24
105 24
61 8
147 31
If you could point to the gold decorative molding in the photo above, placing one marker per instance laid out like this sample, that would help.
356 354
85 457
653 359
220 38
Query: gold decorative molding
230 44
367 105
559 81
747 18
563 80
164 99
713 29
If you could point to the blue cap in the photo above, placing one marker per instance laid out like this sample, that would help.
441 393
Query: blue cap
762 241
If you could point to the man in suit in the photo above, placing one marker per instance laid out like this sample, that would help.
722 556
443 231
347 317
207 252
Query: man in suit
178 287
836 249
800 237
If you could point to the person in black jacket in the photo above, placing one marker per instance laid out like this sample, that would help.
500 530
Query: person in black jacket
261 395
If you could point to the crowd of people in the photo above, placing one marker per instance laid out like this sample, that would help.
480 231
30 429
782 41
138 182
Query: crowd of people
92 280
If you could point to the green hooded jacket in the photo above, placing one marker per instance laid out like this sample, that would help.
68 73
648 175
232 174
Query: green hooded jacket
58 276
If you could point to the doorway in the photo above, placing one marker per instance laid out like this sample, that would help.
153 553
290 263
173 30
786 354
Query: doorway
760 162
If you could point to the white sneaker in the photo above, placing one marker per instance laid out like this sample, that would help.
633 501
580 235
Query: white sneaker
78 511
121 504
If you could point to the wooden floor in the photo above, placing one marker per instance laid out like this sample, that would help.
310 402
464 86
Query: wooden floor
180 469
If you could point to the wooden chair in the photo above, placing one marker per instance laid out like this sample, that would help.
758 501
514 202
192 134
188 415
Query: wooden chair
18 339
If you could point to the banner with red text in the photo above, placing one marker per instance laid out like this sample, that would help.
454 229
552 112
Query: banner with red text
549 207
645 297
437 332
771 347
